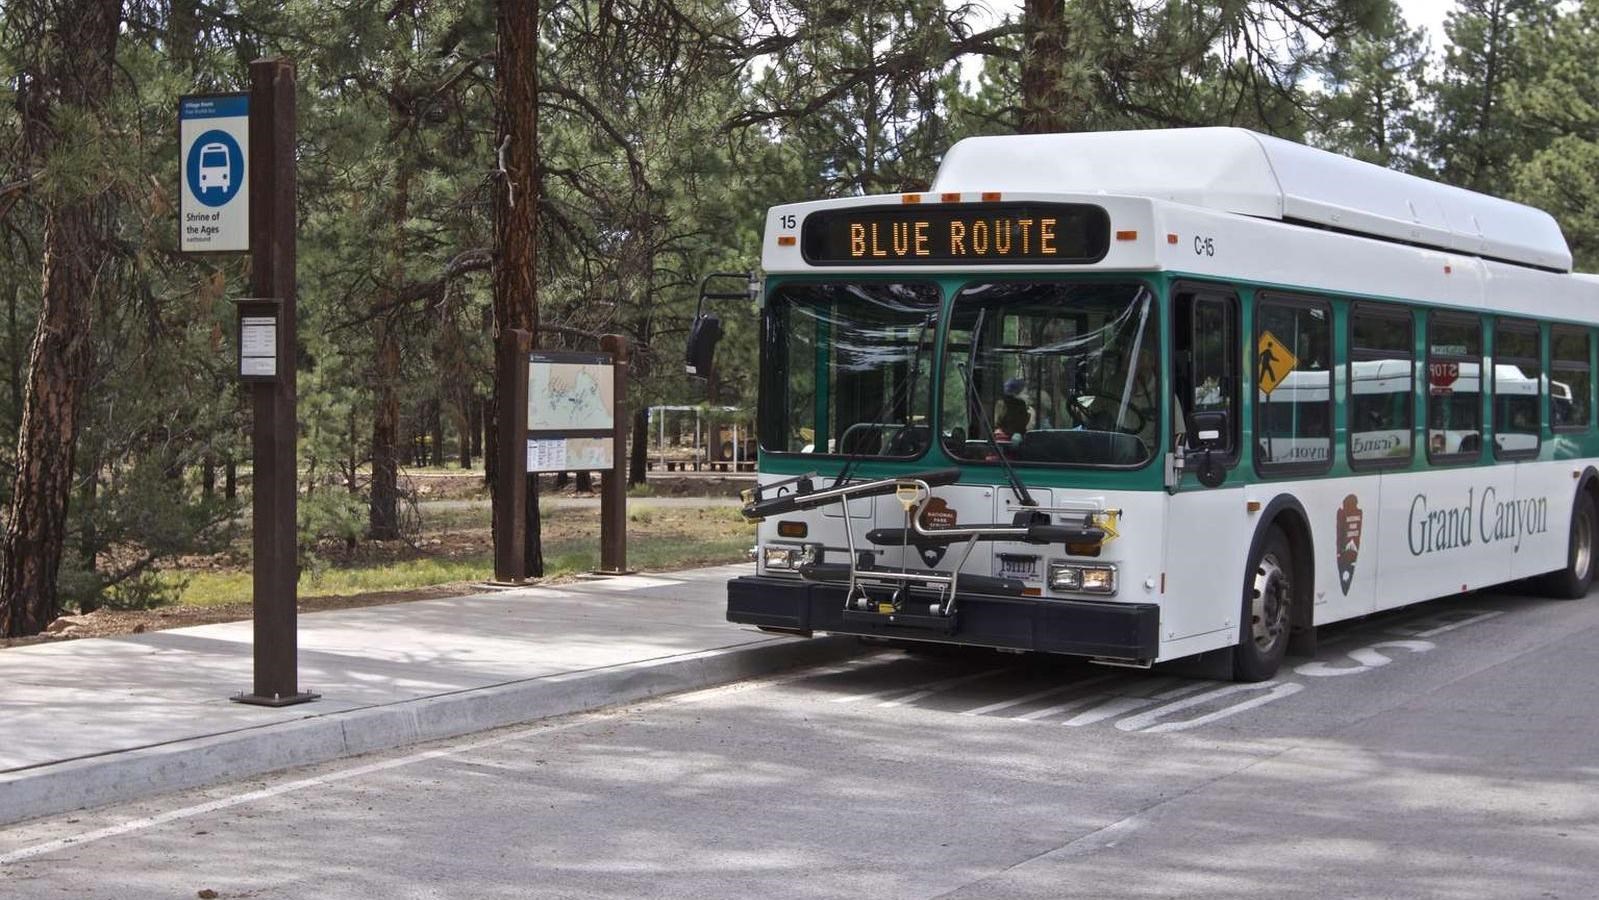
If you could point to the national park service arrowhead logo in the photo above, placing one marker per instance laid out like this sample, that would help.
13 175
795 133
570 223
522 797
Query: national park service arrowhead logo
1350 520
935 514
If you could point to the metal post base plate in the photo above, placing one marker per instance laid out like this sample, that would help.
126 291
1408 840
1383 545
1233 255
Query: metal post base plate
275 699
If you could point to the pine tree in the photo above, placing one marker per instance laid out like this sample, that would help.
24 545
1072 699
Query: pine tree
1562 105
1477 140
70 59
1373 81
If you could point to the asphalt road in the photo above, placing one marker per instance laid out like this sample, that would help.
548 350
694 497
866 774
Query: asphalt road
1447 751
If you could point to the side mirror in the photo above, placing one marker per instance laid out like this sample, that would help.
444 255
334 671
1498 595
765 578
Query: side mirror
702 339
707 329
1209 431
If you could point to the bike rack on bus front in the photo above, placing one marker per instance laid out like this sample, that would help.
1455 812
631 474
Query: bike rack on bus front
1032 526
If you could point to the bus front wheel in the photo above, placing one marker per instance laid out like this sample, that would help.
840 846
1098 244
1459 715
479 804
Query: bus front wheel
1573 581
1267 616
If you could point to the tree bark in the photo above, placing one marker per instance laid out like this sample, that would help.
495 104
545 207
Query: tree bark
516 212
638 451
16 358
1043 65
463 425
208 476
383 518
75 71
436 429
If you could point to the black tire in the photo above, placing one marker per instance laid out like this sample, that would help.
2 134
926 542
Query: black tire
1267 613
1572 582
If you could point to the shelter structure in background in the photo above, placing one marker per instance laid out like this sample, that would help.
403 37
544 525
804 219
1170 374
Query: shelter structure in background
721 438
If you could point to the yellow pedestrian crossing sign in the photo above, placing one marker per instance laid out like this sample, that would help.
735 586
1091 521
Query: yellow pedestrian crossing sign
1273 362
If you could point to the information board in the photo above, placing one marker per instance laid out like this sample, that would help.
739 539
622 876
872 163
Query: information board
571 412
258 346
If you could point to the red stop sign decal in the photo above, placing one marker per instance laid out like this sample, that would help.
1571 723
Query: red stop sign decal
1442 375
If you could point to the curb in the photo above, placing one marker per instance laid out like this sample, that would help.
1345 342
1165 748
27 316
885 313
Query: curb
197 762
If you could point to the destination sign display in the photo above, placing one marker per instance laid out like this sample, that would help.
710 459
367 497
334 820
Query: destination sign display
967 234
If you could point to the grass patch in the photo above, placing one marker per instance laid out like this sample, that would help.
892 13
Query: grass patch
216 588
659 539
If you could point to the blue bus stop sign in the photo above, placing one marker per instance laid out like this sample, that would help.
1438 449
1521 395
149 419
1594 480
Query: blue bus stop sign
215 168
214 194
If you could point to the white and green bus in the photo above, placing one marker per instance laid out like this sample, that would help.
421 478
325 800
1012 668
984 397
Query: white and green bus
1147 396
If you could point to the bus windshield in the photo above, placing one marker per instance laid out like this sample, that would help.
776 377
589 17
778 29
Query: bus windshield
847 369
1059 373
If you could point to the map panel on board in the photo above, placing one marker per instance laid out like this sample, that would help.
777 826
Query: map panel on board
565 394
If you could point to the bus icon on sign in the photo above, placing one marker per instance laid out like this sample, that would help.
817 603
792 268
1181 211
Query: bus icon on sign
215 170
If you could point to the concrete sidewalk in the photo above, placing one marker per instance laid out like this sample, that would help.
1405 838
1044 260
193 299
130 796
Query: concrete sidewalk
96 721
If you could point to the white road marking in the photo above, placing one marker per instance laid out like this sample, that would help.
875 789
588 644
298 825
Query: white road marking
1110 709
1366 659
941 686
1120 706
1036 695
1145 721
937 685
1123 705
739 687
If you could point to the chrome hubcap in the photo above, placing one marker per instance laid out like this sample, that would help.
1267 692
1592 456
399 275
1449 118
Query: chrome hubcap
1269 603
1582 545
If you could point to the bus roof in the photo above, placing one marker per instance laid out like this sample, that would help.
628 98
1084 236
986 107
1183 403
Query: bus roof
1235 170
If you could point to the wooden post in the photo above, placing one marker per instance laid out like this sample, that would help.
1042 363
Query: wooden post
510 462
613 484
272 275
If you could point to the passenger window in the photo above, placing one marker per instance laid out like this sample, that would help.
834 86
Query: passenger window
1570 378
1454 386
1381 386
1293 387
1518 380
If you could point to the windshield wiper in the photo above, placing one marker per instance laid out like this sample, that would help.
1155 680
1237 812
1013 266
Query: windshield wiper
982 418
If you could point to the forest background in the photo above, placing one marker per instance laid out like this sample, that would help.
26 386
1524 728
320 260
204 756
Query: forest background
575 166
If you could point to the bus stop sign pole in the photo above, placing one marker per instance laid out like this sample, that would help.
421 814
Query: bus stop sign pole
273 224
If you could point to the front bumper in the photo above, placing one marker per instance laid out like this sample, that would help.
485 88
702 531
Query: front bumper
1126 631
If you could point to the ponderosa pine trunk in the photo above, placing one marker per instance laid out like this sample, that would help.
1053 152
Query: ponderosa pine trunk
383 517
383 506
1043 64
638 450
78 56
516 211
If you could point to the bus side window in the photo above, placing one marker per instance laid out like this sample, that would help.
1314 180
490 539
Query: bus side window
1205 370
1517 385
1570 381
1381 385
1293 386
1454 388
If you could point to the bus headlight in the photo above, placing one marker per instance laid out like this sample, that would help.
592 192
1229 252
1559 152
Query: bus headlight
790 556
1078 578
